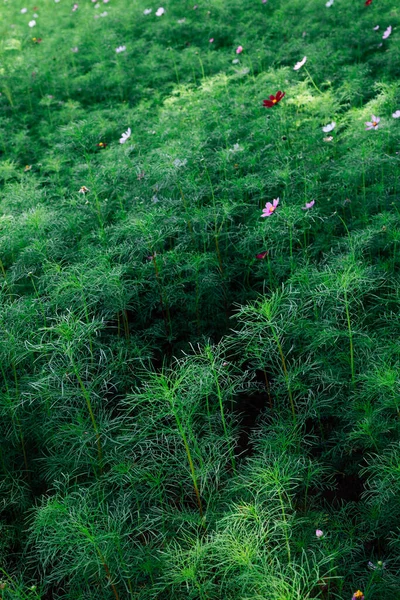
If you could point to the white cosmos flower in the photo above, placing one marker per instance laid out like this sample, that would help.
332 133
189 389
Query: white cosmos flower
299 64
329 127
147 11
24 10
329 3
125 136
160 11
32 23
396 115
120 49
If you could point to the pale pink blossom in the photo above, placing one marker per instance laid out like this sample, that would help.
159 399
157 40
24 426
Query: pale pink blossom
160 11
239 50
396 115
387 32
308 205
270 208
373 124
319 533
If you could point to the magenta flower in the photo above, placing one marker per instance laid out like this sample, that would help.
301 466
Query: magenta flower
319 533
306 207
211 40
239 49
270 208
387 32
262 255
373 124
358 595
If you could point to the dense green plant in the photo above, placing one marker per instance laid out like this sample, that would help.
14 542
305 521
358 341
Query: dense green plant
197 402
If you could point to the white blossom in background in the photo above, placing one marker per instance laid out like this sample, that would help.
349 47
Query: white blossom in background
329 127
125 136
160 11
120 49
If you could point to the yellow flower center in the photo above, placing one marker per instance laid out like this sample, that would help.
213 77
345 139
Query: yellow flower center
274 101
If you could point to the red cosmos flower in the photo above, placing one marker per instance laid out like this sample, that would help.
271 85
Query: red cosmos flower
101 145
262 255
368 2
274 99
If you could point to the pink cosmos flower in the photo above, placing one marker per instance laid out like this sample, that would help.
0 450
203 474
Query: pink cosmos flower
308 205
239 49
396 115
270 208
319 533
211 40
387 32
373 124
262 255
299 64
75 7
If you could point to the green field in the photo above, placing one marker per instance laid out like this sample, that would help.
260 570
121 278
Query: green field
199 300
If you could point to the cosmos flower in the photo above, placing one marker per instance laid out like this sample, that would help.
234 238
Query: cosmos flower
239 49
396 115
329 3
376 28
306 207
319 533
24 10
373 124
147 11
387 32
299 64
125 136
274 99
27 168
330 127
75 7
32 23
358 595
368 2
270 208
160 11
262 255
83 190
235 61
101 145
120 49
329 138
211 40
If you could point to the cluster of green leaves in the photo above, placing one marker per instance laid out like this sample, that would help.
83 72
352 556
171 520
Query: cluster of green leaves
178 417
